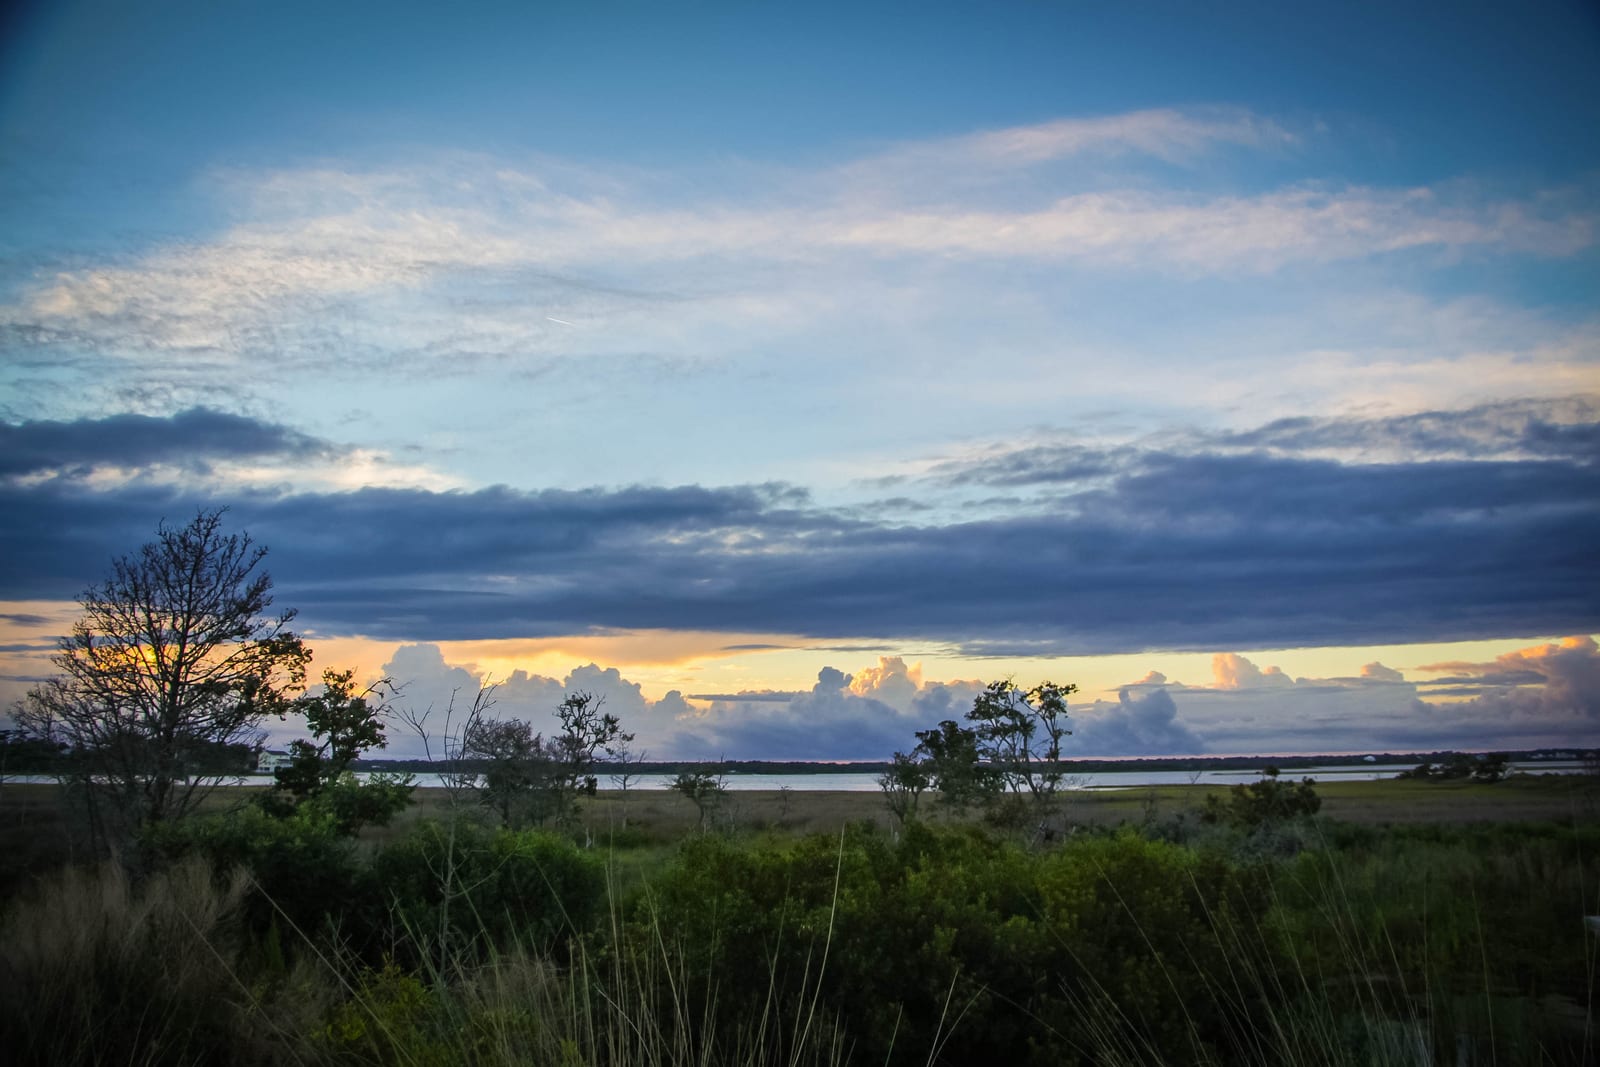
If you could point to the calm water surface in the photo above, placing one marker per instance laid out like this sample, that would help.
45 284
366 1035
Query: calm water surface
854 782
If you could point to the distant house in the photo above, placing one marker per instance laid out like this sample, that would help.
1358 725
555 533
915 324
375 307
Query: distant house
1369 759
271 759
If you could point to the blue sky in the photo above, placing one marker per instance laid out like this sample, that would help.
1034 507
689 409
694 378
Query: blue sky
842 357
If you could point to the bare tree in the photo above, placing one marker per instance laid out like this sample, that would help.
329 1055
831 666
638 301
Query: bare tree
174 661
625 771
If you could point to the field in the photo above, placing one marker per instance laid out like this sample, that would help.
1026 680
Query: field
1407 922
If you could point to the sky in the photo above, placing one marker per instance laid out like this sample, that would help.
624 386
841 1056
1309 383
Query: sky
784 373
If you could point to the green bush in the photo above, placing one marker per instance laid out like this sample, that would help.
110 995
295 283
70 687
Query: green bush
952 940
1267 801
304 869
460 889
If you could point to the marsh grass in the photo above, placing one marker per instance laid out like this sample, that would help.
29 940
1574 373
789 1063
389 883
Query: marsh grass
97 969
1348 946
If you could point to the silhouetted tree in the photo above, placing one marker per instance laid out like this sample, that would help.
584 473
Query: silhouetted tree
344 723
174 655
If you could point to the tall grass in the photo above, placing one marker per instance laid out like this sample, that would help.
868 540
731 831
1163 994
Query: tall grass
1403 947
96 969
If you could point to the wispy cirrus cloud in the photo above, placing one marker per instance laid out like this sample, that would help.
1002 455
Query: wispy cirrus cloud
461 260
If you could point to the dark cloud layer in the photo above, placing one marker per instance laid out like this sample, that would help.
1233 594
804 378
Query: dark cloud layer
1176 550
189 439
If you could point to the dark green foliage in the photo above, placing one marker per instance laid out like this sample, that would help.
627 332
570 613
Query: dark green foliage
470 889
903 785
1479 925
1025 947
950 754
303 866
1461 766
704 789
1269 800
344 724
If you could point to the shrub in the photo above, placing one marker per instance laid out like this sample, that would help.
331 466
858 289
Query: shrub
301 865
459 889
1266 801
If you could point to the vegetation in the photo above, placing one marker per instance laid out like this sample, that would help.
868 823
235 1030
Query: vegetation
1458 766
296 924
705 789
175 656
1178 941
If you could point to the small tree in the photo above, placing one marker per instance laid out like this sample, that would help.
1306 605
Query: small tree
528 777
1269 800
625 770
903 785
343 725
955 769
1019 733
518 779
704 788
175 655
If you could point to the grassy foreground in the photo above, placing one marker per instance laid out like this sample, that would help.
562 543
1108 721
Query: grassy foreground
1410 922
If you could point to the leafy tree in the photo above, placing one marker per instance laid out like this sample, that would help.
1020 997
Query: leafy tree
528 777
903 785
343 724
704 788
175 655
1266 801
1488 768
955 767
1019 733
1491 767
517 773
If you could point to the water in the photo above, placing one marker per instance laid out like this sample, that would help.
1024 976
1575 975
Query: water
859 782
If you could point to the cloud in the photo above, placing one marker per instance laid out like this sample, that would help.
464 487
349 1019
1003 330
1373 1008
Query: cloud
1378 672
1232 671
1138 724
191 438
352 268
1542 696
1559 681
1182 548
440 694
866 715
1566 427
195 447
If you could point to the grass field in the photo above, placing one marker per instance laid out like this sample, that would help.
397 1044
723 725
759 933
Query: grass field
1407 916
31 830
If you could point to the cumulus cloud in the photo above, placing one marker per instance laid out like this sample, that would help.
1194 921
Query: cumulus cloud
1142 722
430 687
1378 672
1542 696
1230 670
1559 681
